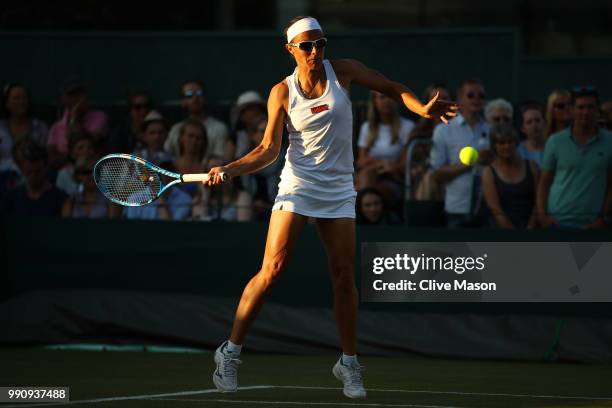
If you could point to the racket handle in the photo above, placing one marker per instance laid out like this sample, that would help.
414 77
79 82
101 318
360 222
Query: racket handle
201 177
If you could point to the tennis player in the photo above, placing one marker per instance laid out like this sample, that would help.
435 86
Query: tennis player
317 181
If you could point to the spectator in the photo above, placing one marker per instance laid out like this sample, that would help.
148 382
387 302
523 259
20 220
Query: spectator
225 202
509 182
425 186
77 118
17 123
606 115
128 137
194 102
468 128
262 186
532 148
173 204
499 111
88 202
382 154
155 133
37 197
371 208
192 146
558 114
249 109
81 145
575 188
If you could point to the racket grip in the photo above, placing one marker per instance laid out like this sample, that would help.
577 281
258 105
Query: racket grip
202 177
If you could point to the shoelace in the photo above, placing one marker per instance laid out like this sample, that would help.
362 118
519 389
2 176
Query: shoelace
355 378
230 366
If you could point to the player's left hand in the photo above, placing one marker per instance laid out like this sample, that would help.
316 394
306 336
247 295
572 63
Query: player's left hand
440 109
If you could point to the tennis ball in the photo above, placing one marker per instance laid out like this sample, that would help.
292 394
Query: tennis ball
468 155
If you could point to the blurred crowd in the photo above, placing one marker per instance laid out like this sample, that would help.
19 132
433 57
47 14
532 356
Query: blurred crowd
541 164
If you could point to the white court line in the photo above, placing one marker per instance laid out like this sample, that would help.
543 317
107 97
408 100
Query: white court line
351 404
297 387
133 397
479 394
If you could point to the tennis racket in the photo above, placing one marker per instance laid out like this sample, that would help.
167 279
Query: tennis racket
131 181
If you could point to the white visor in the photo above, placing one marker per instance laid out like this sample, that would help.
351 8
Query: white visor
303 25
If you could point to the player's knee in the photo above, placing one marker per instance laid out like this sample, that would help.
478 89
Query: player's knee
271 271
343 276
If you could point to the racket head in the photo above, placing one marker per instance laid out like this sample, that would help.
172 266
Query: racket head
131 181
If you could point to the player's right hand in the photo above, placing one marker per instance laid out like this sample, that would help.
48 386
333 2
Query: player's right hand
214 176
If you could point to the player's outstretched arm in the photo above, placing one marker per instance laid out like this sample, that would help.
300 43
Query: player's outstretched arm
267 151
355 71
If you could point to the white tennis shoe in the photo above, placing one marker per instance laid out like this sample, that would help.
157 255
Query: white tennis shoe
225 376
351 378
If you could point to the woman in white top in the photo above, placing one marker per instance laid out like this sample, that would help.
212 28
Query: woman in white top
317 181
18 123
382 142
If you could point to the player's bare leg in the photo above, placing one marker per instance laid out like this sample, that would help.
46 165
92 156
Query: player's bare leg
283 231
338 237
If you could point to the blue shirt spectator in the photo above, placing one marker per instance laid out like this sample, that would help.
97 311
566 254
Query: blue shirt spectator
173 204
448 140
581 172
575 189
536 156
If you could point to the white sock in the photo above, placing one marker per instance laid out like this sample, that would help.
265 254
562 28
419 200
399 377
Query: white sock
349 360
233 348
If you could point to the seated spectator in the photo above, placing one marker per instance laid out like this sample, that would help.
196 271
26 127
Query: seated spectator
532 148
509 182
81 145
558 113
575 188
154 132
88 202
370 208
127 137
262 186
224 202
606 115
37 197
249 109
192 146
17 123
173 204
382 154
499 111
468 128
424 186
194 102
77 118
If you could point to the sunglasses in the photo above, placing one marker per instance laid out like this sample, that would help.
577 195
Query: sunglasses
307 45
140 106
472 95
191 94
560 105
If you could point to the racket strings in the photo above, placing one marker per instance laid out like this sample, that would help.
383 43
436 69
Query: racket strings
127 181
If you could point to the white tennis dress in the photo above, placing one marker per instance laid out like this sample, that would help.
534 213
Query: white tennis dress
317 180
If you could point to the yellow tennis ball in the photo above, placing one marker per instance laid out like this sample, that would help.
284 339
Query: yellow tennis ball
468 155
